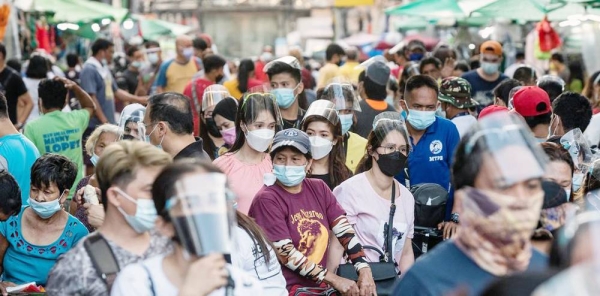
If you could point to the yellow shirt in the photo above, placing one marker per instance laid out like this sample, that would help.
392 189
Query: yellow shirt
174 77
232 87
355 151
327 72
350 71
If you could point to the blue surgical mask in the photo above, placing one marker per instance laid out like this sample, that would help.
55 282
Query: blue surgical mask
289 175
94 159
420 120
415 56
577 181
489 68
347 120
45 209
285 96
145 213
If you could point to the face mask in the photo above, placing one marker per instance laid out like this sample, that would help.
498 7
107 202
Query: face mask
137 64
159 146
577 180
320 147
347 120
145 213
46 209
439 112
153 58
104 62
415 56
260 139
229 136
213 130
289 176
188 52
420 120
285 96
391 164
489 68
94 159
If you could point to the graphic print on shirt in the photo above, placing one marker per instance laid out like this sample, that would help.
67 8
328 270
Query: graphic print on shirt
484 98
263 269
436 148
314 236
398 237
58 142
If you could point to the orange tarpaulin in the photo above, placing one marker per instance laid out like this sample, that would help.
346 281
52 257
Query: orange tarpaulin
4 15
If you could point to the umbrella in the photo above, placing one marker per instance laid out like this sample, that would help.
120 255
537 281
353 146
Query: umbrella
532 10
429 9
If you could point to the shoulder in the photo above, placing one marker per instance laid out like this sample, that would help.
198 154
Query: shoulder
447 126
76 226
225 162
165 65
352 137
470 75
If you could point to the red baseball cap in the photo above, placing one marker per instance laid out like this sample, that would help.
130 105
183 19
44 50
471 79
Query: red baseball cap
532 101
491 109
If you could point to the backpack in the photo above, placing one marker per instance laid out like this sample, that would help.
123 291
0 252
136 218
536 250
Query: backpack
430 204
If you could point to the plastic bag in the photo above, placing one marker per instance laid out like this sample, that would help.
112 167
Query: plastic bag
547 36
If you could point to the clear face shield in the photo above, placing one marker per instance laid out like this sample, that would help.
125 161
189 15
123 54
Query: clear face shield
341 92
511 96
260 109
579 149
213 95
203 214
288 60
394 145
131 124
324 109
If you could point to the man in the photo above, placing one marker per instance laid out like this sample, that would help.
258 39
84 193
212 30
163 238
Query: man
57 131
374 80
176 73
432 67
130 81
534 105
433 139
200 47
415 50
455 98
485 78
525 75
350 69
154 55
17 153
334 55
570 111
125 174
286 85
11 201
14 90
552 85
558 66
213 73
502 91
169 124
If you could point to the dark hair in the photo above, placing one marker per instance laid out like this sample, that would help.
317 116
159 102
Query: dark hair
10 203
520 55
374 142
430 61
37 68
533 121
352 54
213 62
574 110
15 64
503 89
3 50
246 67
175 109
199 43
101 44
444 52
588 90
53 94
72 60
556 152
53 168
373 90
226 108
164 188
3 106
278 68
466 166
462 66
591 183
248 115
131 51
409 71
333 49
419 81
151 43
558 57
362 75
525 74
338 171
552 88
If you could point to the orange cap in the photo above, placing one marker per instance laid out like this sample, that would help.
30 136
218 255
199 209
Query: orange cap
491 46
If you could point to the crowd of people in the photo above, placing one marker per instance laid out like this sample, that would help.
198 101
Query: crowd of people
200 176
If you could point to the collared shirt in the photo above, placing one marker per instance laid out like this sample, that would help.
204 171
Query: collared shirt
194 150
431 158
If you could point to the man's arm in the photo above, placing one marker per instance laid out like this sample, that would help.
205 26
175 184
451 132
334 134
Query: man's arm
89 85
24 107
127 97
161 78
84 98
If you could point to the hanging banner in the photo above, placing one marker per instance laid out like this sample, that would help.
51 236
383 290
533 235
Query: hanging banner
350 3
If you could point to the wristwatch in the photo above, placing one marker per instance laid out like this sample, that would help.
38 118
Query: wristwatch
454 217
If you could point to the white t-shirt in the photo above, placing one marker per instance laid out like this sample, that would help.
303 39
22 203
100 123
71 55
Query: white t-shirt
464 123
32 88
592 132
135 280
249 258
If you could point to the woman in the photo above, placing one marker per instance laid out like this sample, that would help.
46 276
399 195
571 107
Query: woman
366 197
42 231
298 214
213 140
497 172
36 71
246 162
253 259
321 123
245 80
224 117
592 91
100 138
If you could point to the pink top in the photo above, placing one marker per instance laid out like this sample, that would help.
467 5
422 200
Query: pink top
369 213
244 179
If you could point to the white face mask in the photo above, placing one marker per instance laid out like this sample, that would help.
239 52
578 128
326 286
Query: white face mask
320 147
260 139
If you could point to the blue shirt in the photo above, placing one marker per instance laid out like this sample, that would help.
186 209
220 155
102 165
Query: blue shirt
482 90
446 268
431 158
17 154
25 262
103 88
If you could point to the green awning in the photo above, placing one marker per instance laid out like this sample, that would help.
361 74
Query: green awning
532 10
152 29
77 11
431 9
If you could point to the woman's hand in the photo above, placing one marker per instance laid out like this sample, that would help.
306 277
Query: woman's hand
205 275
345 286
366 284
4 285
95 214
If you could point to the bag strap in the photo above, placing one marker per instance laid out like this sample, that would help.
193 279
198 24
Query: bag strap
388 240
150 279
195 96
103 258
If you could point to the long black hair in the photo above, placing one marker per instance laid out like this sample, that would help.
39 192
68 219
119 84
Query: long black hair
244 72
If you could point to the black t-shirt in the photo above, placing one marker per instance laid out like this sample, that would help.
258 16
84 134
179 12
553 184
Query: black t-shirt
13 87
325 178
296 123
128 81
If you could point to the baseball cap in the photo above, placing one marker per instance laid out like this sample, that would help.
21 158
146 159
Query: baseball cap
532 101
491 46
491 109
293 138
378 72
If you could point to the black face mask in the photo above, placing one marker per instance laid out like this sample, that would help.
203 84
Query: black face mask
391 164
213 130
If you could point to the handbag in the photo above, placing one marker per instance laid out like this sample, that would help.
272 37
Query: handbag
384 271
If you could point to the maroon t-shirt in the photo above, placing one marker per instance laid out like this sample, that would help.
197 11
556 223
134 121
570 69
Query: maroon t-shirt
305 218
